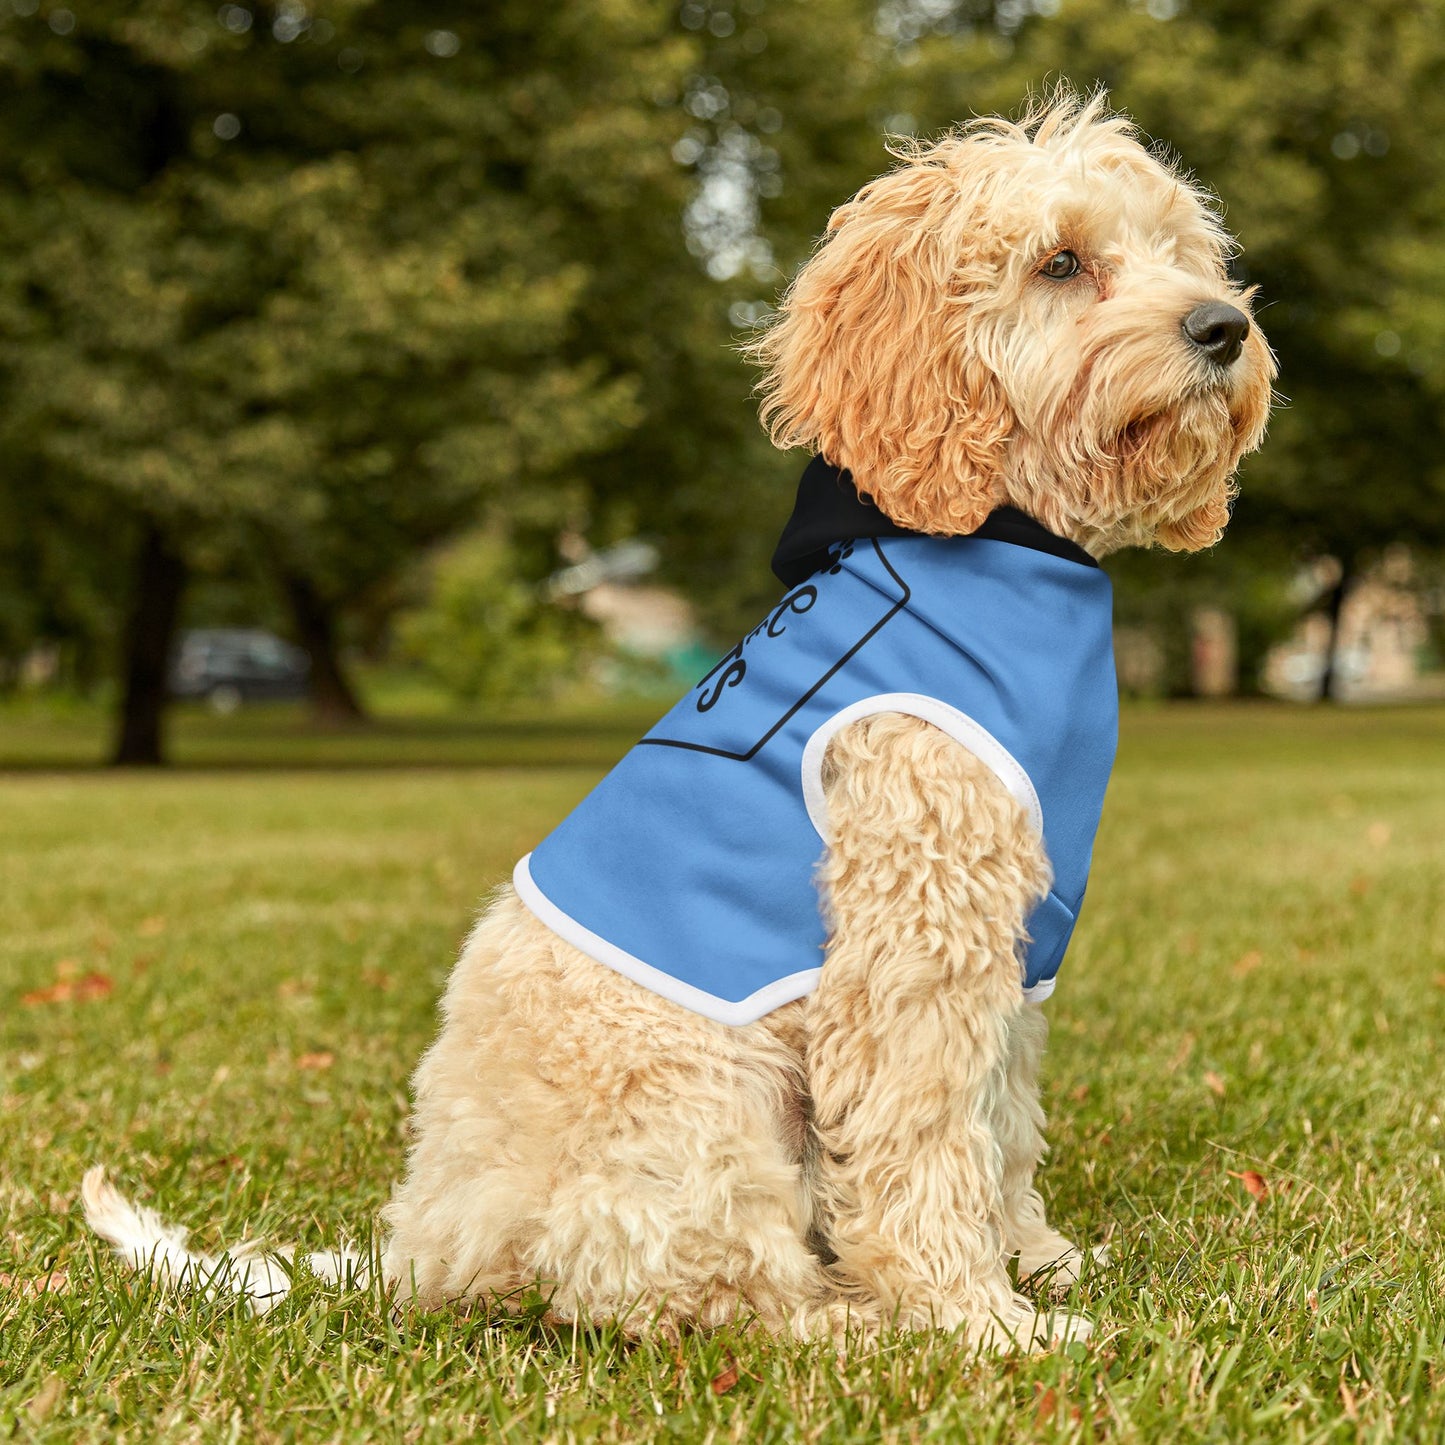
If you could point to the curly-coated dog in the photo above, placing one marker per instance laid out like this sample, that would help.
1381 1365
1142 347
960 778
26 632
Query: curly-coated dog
756 1031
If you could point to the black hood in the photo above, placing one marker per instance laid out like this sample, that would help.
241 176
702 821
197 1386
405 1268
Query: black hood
831 509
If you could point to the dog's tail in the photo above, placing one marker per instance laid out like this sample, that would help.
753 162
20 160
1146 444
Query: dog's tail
147 1243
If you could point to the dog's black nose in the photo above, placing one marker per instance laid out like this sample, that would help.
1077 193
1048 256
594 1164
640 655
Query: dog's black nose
1218 330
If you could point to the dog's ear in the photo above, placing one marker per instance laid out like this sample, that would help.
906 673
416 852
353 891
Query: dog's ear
873 360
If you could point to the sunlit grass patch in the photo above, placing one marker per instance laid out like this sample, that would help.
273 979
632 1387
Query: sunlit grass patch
1243 1085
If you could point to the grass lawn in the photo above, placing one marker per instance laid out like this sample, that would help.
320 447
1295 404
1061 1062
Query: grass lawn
216 980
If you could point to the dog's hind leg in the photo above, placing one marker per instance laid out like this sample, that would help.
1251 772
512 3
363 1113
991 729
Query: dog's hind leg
681 1200
930 871
578 1135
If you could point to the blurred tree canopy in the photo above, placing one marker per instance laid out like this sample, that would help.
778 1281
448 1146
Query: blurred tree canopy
320 286
484 634
307 288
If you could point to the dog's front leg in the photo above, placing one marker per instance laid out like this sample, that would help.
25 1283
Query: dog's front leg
930 872
1043 1253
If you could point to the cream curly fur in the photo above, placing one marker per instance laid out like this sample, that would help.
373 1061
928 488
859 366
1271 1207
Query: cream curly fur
865 1156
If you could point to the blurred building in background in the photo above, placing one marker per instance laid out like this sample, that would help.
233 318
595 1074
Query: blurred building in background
1383 648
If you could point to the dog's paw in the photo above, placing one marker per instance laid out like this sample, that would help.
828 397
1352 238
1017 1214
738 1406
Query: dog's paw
1023 1326
1058 1271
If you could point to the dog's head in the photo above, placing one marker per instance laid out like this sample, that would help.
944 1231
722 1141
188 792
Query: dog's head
1035 313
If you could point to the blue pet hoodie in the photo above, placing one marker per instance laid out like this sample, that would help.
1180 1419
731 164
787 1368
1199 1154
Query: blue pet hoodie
690 867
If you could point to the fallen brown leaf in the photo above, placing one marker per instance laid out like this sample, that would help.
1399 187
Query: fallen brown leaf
723 1382
1046 1407
1214 1083
66 990
1360 885
56 993
1255 1184
1079 1094
1440 980
322 1059
1247 963
151 927
56 1282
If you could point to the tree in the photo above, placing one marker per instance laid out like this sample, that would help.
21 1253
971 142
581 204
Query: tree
323 287
292 283
778 116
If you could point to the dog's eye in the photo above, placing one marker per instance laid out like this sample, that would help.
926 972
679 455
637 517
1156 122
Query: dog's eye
1060 266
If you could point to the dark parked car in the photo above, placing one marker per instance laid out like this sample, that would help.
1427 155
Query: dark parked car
231 665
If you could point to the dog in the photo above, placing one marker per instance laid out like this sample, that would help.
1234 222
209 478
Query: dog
756 1034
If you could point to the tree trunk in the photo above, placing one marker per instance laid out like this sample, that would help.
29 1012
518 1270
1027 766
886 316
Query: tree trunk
333 699
160 579
1329 677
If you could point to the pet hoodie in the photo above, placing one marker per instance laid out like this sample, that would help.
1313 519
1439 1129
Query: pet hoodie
690 867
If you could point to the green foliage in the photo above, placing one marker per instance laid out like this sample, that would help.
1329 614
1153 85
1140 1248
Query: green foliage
309 296
1250 988
61 572
318 288
779 119
486 634
321 287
